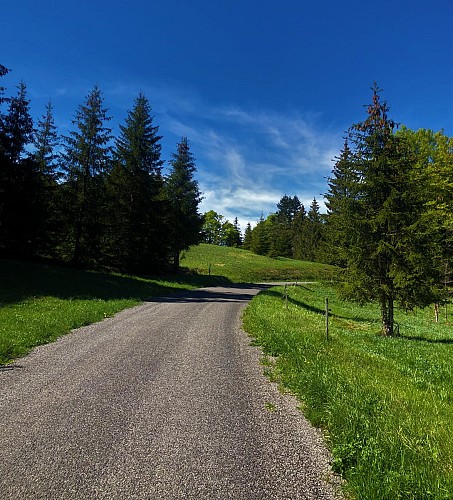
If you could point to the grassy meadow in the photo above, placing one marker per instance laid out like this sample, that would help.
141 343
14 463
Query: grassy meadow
242 266
385 404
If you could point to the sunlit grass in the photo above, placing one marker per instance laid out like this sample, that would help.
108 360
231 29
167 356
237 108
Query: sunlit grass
244 266
385 404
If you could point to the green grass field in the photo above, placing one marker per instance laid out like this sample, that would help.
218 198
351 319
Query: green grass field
385 404
242 266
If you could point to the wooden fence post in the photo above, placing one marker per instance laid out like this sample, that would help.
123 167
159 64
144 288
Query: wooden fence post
327 318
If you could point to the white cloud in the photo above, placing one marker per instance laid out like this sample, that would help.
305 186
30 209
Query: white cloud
246 159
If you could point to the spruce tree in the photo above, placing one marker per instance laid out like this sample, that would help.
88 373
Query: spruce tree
17 126
183 197
314 232
136 239
17 176
237 242
298 234
260 243
247 242
385 242
340 201
45 157
86 161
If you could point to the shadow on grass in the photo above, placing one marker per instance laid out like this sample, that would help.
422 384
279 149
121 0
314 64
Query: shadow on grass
21 280
315 309
424 339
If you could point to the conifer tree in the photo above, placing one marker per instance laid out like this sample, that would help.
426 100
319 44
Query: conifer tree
183 197
247 243
385 243
17 126
237 241
3 71
86 161
287 208
298 234
339 202
17 175
45 156
46 142
136 236
260 243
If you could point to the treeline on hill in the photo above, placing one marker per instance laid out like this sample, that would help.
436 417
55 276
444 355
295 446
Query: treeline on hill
289 232
82 200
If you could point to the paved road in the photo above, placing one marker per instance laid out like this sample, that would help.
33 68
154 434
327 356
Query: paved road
165 400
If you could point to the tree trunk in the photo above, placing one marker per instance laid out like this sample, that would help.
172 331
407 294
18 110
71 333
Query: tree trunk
176 260
387 315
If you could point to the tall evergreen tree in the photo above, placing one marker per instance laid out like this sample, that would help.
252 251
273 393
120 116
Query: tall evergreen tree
340 202
260 243
17 126
46 142
136 236
86 160
45 156
247 243
183 195
17 176
287 208
298 234
3 71
237 240
385 243
280 231
314 232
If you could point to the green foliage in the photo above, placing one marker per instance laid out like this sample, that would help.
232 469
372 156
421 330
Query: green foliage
239 265
86 161
287 208
377 219
18 177
289 232
135 240
17 126
217 230
247 243
183 197
385 404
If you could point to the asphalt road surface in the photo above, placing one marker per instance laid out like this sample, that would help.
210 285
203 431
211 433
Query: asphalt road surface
164 400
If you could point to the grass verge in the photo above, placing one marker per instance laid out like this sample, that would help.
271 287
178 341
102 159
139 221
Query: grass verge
39 303
385 404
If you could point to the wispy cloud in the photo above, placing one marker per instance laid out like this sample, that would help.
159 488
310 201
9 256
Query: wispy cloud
247 160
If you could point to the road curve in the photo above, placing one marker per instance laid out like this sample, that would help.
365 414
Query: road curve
165 400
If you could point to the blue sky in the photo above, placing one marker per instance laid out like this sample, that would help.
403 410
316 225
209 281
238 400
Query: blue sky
264 90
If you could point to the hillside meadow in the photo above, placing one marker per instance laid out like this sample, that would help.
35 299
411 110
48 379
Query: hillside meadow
242 266
385 404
